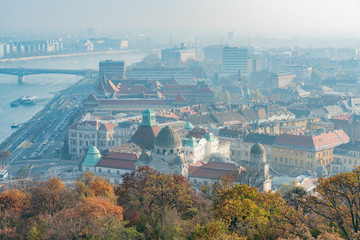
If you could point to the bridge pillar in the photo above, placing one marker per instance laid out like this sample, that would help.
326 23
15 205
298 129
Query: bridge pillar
21 79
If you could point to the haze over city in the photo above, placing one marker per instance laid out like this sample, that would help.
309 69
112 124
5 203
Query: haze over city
250 18
182 120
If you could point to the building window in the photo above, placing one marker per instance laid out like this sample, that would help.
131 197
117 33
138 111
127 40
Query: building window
118 172
108 171
99 170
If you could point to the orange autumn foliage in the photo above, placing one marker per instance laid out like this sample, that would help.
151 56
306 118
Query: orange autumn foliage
97 207
13 200
90 185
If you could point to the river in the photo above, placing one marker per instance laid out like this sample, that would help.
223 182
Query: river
45 85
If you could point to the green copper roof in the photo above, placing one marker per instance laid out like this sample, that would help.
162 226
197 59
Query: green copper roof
188 126
191 142
92 158
209 137
148 118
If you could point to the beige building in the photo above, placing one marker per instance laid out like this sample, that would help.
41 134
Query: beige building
85 134
297 151
345 157
124 131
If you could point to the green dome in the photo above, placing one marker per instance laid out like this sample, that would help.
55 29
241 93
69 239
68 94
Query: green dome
191 142
257 149
92 158
167 138
209 136
188 126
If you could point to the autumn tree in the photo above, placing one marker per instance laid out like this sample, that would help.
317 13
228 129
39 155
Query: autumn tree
90 185
13 203
338 203
50 197
247 213
91 218
149 198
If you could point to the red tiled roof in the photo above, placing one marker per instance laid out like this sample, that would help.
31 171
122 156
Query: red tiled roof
120 164
197 133
145 136
119 160
107 127
179 99
342 117
312 142
215 170
123 156
133 102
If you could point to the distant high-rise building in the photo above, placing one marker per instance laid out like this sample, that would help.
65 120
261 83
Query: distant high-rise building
231 38
112 70
2 50
234 61
213 52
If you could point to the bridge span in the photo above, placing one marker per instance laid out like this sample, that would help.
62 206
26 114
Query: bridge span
22 72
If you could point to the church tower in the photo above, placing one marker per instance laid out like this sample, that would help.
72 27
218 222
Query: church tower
259 163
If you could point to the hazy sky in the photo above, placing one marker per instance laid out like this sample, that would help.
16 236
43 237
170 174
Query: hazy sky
259 17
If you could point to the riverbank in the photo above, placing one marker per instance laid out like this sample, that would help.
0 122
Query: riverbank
64 55
8 143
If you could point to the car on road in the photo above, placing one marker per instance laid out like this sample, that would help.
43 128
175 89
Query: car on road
24 158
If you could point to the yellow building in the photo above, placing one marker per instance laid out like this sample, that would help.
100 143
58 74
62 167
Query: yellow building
296 123
297 151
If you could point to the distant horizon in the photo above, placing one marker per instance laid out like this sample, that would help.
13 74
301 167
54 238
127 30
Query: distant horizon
321 18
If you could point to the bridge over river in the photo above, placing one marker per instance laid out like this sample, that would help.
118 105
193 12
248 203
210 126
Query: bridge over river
22 72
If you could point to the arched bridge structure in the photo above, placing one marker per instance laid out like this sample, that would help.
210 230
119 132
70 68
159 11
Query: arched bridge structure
21 72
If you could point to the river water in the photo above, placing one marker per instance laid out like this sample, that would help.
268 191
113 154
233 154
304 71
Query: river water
45 85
